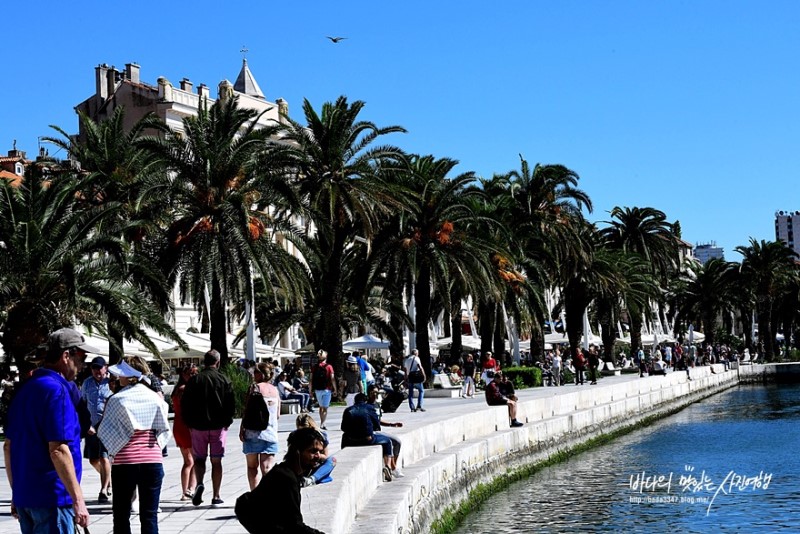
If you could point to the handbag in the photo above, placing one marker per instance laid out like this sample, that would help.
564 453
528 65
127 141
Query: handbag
416 376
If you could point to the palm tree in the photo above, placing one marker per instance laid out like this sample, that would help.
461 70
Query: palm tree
766 266
58 266
227 199
646 232
338 170
115 168
545 217
436 245
703 293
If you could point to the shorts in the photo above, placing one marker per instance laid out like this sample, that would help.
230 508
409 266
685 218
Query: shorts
203 440
93 448
323 397
60 519
498 403
259 446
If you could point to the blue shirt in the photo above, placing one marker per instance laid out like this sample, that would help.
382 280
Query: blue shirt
96 394
42 411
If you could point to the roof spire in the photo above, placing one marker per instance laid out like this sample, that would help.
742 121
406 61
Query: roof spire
245 82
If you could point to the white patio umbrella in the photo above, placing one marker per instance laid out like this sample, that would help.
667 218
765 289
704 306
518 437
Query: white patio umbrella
365 342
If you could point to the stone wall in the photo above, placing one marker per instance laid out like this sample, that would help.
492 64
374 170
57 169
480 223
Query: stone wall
449 456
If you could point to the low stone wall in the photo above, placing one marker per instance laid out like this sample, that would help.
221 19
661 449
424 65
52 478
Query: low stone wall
773 372
448 457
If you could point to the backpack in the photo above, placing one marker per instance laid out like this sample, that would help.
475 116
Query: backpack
319 380
256 413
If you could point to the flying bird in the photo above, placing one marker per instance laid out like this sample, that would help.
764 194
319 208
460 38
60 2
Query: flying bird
336 39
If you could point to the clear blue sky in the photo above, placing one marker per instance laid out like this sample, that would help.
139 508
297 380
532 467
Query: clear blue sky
687 106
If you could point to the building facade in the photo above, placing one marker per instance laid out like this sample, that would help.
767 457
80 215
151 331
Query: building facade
708 251
786 224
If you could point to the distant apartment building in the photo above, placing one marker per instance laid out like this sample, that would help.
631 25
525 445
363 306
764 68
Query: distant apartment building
708 251
786 223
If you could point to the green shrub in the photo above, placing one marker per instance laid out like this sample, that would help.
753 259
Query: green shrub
524 377
241 380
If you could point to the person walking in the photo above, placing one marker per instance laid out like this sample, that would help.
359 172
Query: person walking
555 368
594 364
261 446
468 372
353 383
182 434
323 382
415 378
580 366
42 447
207 406
135 429
96 392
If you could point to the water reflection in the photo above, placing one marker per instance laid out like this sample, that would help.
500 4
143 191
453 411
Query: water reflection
745 431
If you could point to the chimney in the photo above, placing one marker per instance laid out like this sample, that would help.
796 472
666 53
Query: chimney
111 80
203 91
101 87
186 85
132 72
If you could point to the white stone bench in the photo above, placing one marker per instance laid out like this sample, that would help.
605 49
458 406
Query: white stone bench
610 370
290 406
442 387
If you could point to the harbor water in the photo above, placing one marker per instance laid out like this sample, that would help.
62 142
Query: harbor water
728 463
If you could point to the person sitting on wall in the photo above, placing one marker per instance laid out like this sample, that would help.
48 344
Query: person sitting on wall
506 386
359 423
494 397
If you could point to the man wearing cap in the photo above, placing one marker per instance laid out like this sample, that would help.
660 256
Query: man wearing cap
494 397
95 391
207 406
43 442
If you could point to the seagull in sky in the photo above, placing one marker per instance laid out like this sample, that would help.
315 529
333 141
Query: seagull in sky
336 39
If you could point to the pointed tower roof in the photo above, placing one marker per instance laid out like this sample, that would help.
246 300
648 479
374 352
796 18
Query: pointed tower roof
246 83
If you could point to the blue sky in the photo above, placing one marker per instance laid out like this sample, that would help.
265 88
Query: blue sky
691 107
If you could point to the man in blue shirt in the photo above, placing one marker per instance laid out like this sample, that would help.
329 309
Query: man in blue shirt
95 391
359 424
42 447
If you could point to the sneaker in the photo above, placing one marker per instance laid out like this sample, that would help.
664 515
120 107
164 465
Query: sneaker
413 409
397 473
102 498
323 427
216 500
420 409
197 498
387 474
515 424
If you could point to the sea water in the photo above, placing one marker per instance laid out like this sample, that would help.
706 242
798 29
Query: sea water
725 464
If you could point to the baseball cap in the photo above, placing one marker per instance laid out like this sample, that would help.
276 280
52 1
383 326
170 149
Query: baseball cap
124 370
67 338
352 359
99 361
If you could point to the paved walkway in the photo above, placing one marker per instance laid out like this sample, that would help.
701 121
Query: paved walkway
181 516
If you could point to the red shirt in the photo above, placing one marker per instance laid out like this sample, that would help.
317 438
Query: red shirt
491 363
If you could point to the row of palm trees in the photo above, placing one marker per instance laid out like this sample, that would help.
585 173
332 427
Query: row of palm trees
379 237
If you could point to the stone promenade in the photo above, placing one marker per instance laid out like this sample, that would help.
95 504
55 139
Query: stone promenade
182 516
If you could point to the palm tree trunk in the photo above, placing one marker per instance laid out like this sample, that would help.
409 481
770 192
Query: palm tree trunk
218 335
422 300
330 321
116 348
636 330
499 335
455 326
485 325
